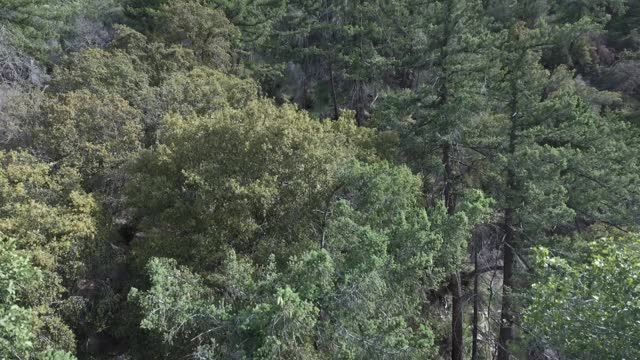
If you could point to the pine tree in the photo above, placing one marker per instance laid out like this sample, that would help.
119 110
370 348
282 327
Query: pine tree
457 69
35 25
341 50
545 124
450 36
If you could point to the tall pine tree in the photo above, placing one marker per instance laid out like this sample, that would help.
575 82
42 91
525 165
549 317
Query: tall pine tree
540 157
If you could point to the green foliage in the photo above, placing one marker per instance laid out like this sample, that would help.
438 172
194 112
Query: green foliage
21 326
255 19
203 91
155 78
595 296
261 167
17 324
600 10
91 133
53 223
450 41
39 206
355 297
559 151
335 52
101 72
541 158
268 233
34 24
176 297
155 59
201 28
623 31
190 23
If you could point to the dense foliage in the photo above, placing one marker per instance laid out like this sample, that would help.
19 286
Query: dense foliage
296 179
595 296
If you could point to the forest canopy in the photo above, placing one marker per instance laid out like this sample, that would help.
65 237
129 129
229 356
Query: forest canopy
296 179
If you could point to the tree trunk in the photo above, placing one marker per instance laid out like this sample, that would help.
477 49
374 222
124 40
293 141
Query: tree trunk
334 97
457 309
457 314
476 300
360 107
449 196
506 316
507 331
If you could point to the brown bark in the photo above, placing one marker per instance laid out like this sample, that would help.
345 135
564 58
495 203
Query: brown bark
507 331
457 313
476 301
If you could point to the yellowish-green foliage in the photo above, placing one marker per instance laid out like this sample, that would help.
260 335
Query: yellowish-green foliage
47 212
157 59
246 177
101 72
53 222
199 27
203 91
93 133
154 77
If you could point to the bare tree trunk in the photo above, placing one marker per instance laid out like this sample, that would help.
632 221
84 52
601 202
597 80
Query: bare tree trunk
334 98
476 300
489 302
506 316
